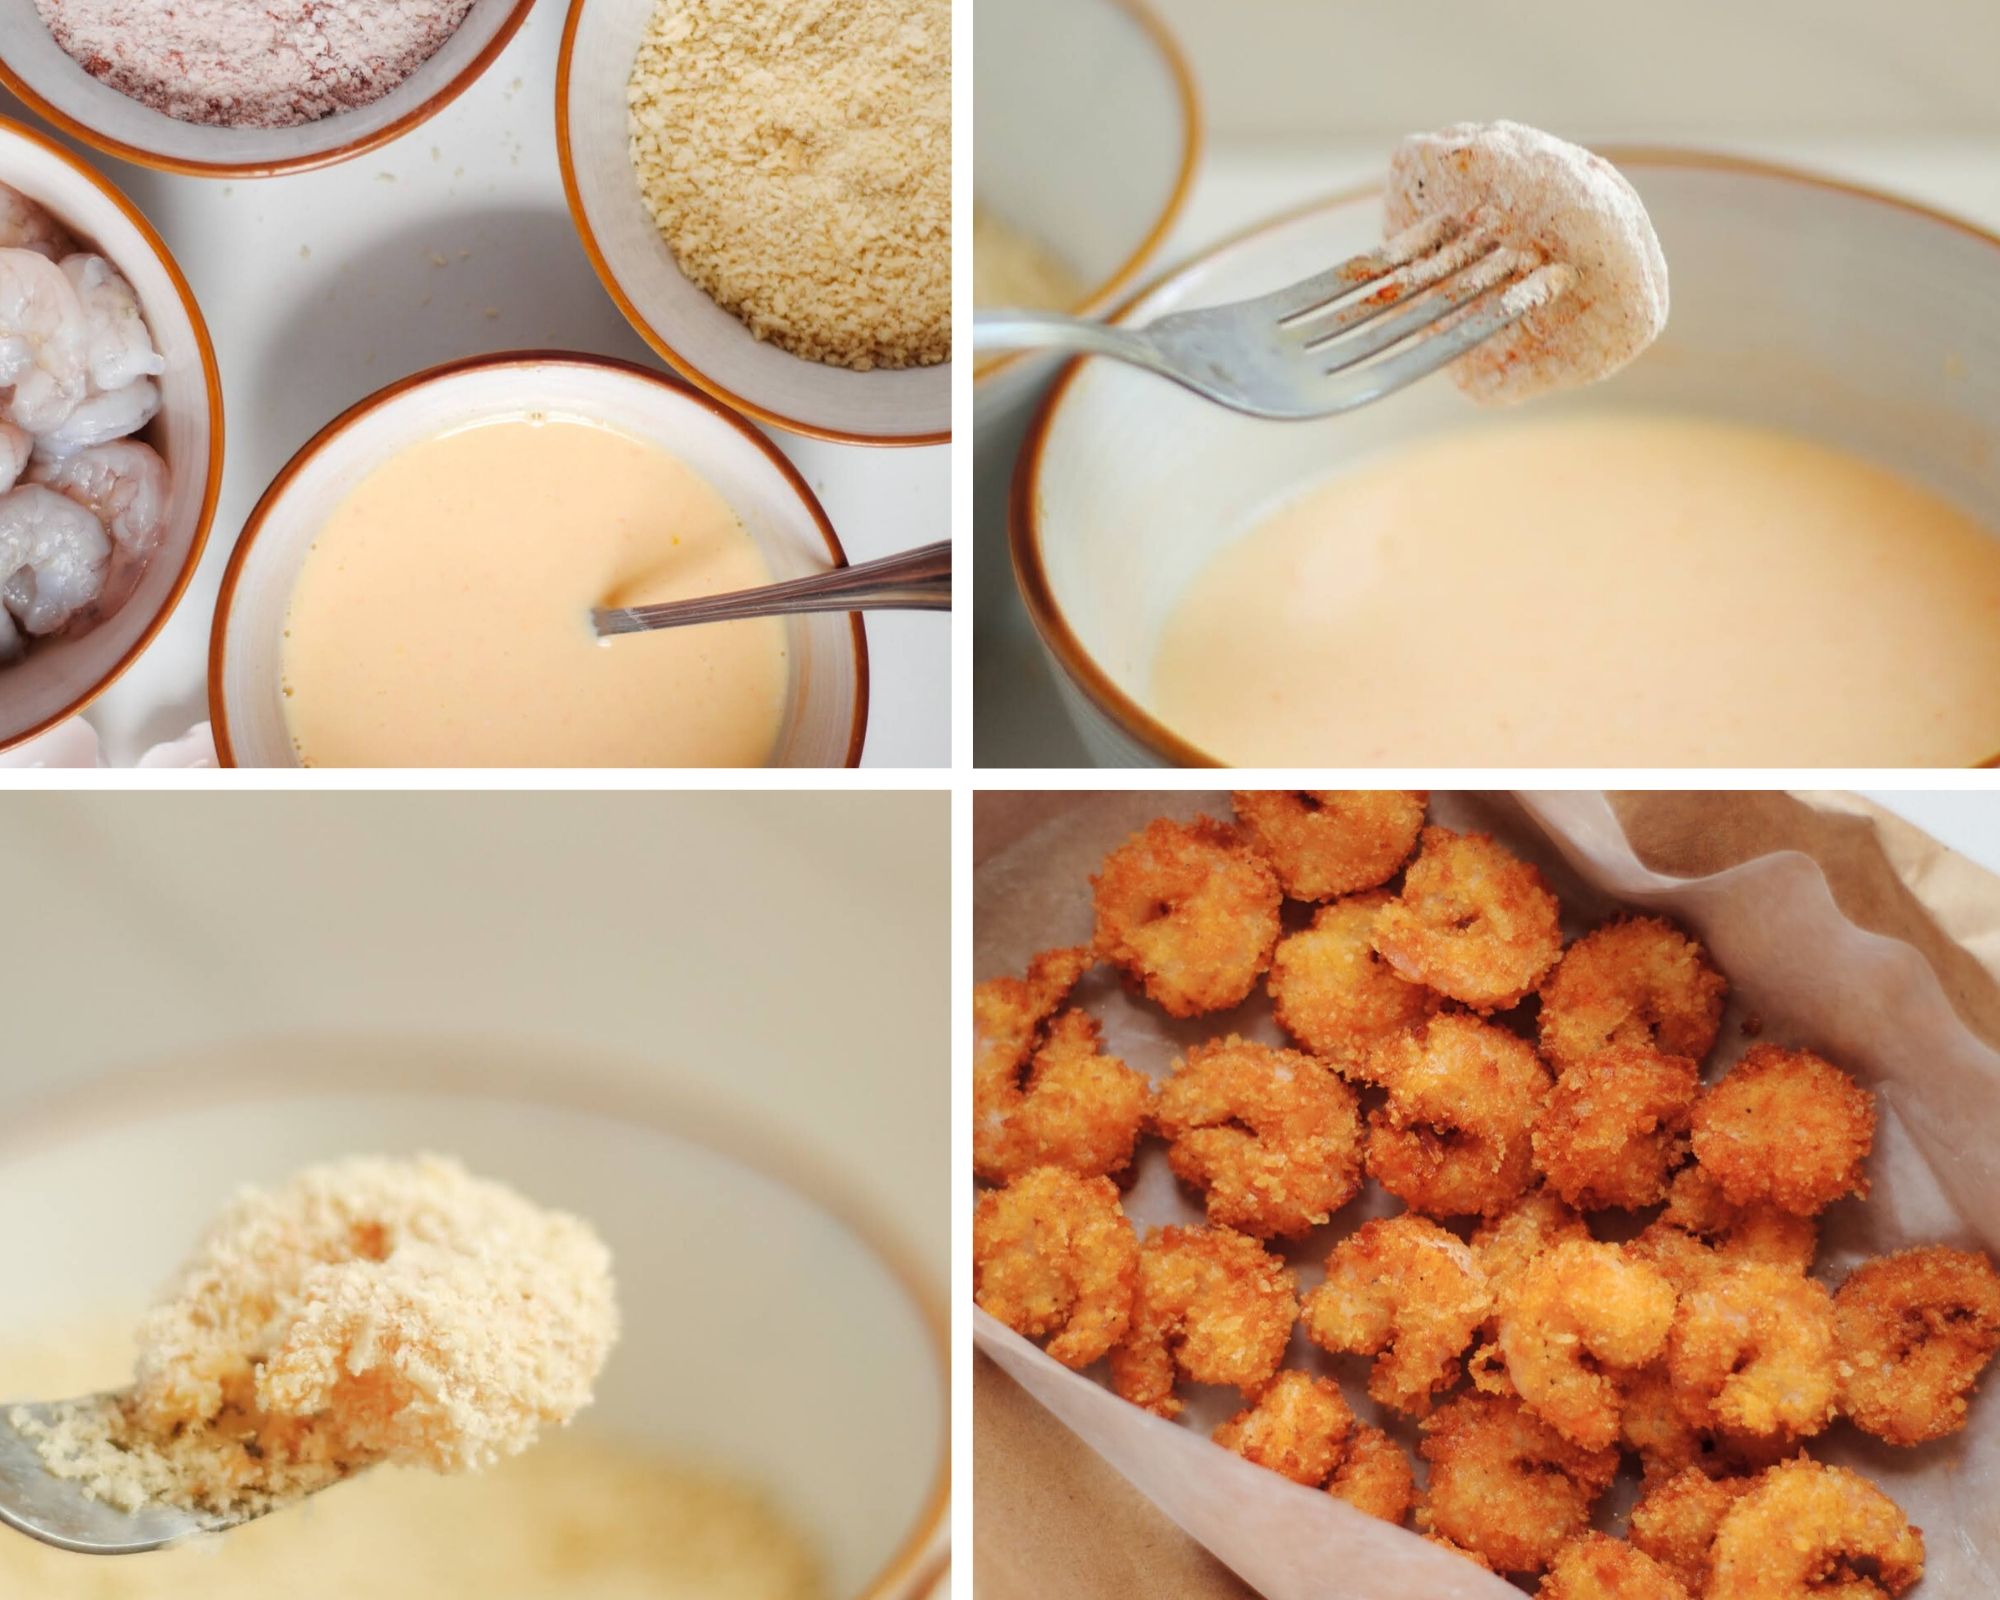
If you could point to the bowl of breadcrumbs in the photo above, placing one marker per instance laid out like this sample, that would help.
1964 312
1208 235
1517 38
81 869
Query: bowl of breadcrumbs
765 188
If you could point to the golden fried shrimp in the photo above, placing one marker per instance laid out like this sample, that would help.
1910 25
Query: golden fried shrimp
1328 842
1299 1427
1334 994
1615 1125
1473 1556
1807 1529
1505 1485
1067 1105
1676 1518
1052 1254
1533 1225
1405 1291
1595 1566
1454 1136
1010 1014
1569 1321
1189 913
1272 1136
1651 1424
1375 1476
1700 1229
1785 1128
1213 1306
1637 981
1752 1353
1914 1331
1473 922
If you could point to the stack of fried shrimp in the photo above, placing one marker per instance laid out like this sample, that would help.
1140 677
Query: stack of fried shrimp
1605 1252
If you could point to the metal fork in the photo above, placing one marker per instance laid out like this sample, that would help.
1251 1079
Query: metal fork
910 580
1332 342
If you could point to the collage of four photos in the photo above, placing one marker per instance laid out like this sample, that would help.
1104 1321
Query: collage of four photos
471 1129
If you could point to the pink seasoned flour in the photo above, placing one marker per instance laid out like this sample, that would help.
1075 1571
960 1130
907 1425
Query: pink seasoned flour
252 63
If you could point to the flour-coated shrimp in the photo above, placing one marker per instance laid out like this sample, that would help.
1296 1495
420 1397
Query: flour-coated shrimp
1213 1306
1298 1427
1805 1529
1595 1566
1473 922
1405 1291
124 484
1054 1258
1272 1137
1785 1127
1332 991
1189 913
1328 842
1615 1125
119 344
1915 1330
44 343
1676 1518
1636 981
1505 1485
24 225
1752 1353
100 418
53 554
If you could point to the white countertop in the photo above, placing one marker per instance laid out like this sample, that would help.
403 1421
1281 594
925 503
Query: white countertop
321 288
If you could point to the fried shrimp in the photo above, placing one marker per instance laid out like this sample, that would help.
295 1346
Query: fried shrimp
1473 922
1807 1529
1189 913
1298 1427
1914 1331
1454 1136
1786 1128
1328 842
1505 1485
1651 1423
1503 1245
1615 1125
1043 1093
1405 1291
1676 1519
1054 1258
1375 1476
1595 1566
1272 1136
1333 993
1637 981
1752 1353
1569 1321
1700 1229
1212 1306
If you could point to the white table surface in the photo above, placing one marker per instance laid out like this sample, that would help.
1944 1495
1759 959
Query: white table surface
454 240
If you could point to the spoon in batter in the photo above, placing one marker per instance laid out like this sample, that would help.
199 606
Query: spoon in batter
914 580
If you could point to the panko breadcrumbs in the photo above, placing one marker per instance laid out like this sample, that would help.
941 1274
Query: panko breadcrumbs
366 1311
796 158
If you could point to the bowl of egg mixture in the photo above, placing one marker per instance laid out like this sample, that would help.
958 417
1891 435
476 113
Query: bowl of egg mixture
1772 539
415 588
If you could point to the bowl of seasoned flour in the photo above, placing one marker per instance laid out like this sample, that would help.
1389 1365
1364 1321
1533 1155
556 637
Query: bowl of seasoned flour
246 88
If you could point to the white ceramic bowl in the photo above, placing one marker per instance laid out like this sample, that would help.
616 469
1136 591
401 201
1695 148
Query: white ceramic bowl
826 707
37 69
691 333
1850 317
749 1299
61 677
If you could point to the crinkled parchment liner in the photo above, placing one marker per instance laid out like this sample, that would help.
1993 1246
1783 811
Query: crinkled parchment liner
1808 974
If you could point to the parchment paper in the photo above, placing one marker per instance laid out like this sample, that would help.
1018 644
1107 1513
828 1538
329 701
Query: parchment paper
1840 929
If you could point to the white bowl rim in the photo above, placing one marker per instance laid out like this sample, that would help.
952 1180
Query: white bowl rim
211 380
446 372
1024 531
1174 58
417 115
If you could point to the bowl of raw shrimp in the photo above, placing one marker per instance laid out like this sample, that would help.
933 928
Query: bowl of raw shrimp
110 434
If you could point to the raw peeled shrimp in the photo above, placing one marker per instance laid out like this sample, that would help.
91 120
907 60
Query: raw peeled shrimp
54 552
121 347
27 226
123 483
15 448
12 645
101 418
44 342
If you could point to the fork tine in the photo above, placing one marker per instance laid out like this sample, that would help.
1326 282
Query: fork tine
1432 305
1395 288
1324 288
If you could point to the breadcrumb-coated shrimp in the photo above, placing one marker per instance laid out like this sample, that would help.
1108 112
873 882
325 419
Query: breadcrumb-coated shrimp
1328 842
1752 1353
1454 1136
1273 1137
1676 1518
1636 981
1502 1245
1473 922
1700 1230
1053 1254
1405 1291
1787 1128
1615 1125
1213 1306
1569 1321
1808 1529
1333 993
1298 1427
1473 1556
1189 913
1505 1485
1651 1424
1914 1331
1043 1093
1375 1476
1595 1566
